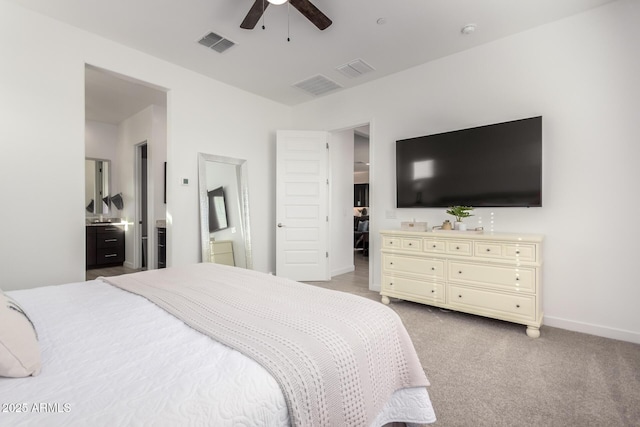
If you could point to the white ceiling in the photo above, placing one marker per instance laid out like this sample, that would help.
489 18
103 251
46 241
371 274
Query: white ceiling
263 62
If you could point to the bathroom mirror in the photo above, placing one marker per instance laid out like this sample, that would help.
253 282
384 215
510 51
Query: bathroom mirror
224 210
97 185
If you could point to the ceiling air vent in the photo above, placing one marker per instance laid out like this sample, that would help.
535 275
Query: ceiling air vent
317 85
355 68
216 42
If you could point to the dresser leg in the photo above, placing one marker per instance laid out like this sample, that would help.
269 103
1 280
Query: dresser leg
385 300
533 332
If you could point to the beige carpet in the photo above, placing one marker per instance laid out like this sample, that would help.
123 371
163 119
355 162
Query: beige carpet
485 372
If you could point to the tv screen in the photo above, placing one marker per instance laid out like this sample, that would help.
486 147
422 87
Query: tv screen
493 166
217 210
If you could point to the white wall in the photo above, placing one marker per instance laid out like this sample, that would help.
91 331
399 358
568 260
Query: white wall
42 147
581 74
341 212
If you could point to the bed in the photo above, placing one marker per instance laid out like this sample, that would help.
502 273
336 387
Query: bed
110 356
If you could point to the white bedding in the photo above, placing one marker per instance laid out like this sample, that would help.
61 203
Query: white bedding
112 358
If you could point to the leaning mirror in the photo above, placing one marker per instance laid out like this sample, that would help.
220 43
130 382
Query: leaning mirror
97 184
224 210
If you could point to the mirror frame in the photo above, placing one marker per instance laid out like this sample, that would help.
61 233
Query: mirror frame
109 187
243 196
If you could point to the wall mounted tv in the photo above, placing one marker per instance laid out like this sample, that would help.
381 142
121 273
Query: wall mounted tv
217 210
496 165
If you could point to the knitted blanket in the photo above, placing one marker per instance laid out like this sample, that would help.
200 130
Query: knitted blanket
337 357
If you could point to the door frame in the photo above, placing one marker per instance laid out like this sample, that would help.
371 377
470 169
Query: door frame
373 240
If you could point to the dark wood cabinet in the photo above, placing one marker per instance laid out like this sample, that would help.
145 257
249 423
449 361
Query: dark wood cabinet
360 195
162 247
105 245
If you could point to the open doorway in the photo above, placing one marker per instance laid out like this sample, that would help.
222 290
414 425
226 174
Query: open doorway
361 204
349 259
120 112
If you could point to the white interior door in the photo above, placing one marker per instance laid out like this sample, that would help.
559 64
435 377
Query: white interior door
302 205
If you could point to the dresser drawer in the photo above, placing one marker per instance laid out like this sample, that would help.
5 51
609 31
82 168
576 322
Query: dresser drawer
434 246
456 247
391 242
409 244
402 286
510 251
434 268
493 304
493 276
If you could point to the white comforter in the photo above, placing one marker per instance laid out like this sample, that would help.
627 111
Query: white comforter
112 358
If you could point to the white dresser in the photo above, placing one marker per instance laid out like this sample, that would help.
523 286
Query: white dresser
222 252
495 275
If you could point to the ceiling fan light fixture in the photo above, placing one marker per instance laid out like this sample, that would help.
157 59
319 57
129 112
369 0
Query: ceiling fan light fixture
277 2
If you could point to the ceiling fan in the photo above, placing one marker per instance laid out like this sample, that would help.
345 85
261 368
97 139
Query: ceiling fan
305 7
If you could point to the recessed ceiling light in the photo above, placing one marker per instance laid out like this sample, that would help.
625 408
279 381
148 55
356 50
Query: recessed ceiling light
468 29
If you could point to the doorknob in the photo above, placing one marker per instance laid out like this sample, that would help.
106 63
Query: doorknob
280 225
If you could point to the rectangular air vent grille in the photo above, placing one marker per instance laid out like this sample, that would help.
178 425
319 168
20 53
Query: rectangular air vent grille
318 85
355 68
216 42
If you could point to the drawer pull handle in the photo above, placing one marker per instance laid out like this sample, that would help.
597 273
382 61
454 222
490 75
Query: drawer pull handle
110 240
410 244
110 255
517 252
457 248
460 272
517 305
391 284
433 291
517 278
433 269
488 250
459 296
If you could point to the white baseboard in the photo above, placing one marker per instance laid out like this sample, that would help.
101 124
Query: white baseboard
128 264
344 270
588 328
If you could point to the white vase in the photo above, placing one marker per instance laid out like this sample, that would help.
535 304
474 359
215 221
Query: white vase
461 226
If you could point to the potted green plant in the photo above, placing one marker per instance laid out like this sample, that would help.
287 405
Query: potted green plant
460 212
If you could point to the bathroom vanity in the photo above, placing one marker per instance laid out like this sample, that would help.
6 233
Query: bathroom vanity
105 245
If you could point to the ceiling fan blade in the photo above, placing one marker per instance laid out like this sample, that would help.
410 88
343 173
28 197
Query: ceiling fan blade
312 13
254 15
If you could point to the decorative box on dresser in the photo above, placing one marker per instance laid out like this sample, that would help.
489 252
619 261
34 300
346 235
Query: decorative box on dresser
494 275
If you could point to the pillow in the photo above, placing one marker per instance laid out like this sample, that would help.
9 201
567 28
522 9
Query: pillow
19 350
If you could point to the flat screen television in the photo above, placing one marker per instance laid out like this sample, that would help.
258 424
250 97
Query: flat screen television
217 210
498 165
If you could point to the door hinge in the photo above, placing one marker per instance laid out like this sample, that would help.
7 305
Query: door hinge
327 254
327 145
327 218
327 181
